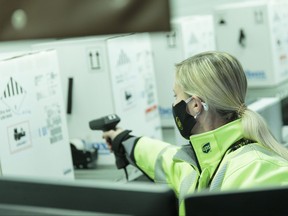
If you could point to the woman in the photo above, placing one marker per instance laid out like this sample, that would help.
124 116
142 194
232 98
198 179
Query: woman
230 146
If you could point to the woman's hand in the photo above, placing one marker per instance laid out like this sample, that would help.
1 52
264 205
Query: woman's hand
110 135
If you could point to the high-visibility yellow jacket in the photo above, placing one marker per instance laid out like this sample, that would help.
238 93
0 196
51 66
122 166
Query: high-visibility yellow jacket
210 163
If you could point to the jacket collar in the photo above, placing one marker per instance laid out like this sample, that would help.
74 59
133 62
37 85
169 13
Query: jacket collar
211 146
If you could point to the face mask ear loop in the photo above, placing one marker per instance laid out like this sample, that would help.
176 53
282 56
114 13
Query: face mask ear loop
205 107
197 114
188 101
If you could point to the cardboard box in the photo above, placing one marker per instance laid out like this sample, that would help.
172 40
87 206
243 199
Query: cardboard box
33 129
111 75
256 33
190 35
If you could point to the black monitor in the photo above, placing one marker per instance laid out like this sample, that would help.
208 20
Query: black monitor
256 202
38 197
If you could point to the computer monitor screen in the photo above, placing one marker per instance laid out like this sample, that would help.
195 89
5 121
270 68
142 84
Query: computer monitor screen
24 197
269 201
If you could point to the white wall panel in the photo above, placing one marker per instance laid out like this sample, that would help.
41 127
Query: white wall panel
189 7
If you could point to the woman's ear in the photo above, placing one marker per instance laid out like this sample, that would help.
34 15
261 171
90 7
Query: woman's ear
194 106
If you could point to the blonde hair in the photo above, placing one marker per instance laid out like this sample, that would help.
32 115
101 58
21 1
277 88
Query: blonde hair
219 80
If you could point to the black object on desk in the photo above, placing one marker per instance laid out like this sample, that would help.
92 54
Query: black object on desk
83 159
43 197
256 202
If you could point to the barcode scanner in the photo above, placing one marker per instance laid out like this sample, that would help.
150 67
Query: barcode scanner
105 123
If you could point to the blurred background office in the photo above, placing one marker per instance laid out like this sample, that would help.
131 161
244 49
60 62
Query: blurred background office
66 63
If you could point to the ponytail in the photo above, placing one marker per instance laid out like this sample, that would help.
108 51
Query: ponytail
255 128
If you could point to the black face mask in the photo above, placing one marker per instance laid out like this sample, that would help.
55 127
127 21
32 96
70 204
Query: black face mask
184 121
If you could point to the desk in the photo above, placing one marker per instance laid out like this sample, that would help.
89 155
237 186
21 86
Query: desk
109 173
